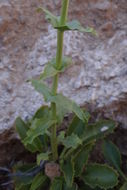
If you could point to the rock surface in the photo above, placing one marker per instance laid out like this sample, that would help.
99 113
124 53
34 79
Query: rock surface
98 77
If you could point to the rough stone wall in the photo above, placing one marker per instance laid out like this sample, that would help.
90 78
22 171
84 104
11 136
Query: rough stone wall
98 77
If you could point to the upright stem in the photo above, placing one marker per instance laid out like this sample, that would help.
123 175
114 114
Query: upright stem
59 53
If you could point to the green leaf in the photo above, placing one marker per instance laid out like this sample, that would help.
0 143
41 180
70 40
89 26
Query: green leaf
71 141
112 155
49 16
43 89
75 25
77 127
42 156
86 187
50 69
68 171
98 130
103 176
62 102
38 180
22 187
66 62
124 187
74 187
81 159
42 112
57 184
21 128
39 127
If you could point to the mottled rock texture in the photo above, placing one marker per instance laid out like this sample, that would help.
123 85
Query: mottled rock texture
98 77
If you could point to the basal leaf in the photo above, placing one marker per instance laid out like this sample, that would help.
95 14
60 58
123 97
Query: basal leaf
71 141
68 171
38 181
42 157
103 176
39 127
87 187
81 159
124 187
98 130
112 154
57 184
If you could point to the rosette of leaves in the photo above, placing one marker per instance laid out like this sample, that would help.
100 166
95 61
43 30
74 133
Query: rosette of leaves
68 149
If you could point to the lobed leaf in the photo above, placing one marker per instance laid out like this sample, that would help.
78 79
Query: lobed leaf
103 176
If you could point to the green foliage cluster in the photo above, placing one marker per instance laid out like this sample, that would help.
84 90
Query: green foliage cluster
70 149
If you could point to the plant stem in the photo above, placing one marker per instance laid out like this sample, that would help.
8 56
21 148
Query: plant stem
60 36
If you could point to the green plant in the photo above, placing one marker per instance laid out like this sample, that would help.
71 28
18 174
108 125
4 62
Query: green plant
62 155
